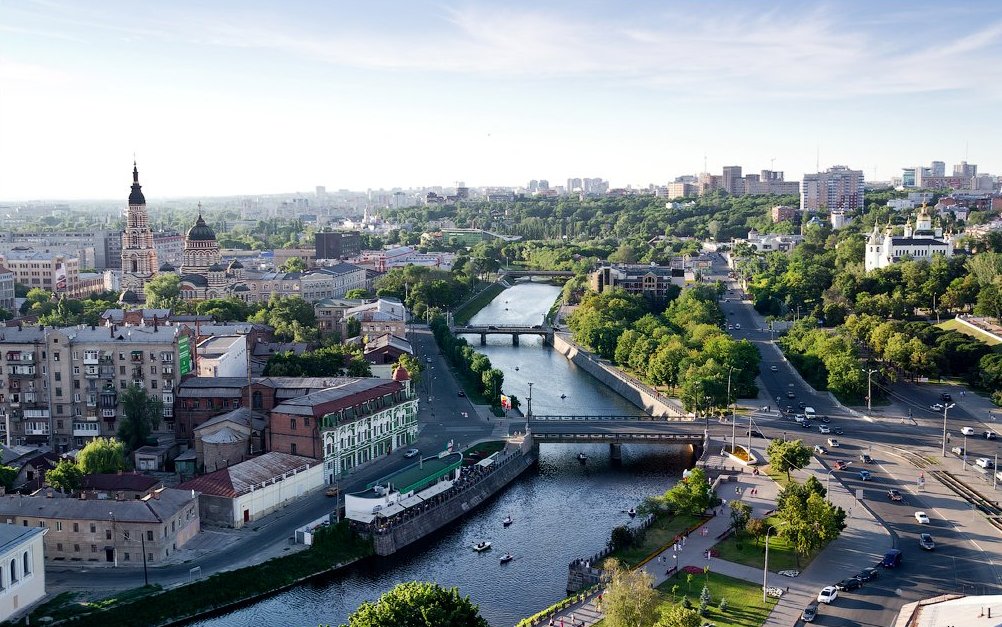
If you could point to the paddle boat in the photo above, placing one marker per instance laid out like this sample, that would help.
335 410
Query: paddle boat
631 512
481 546
507 557
582 457
508 520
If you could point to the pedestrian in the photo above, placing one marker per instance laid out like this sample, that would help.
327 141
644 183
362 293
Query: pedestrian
573 622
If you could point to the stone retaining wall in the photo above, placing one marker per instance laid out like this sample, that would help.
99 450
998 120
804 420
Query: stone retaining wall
638 393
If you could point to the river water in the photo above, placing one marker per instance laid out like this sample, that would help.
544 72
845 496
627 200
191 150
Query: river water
562 509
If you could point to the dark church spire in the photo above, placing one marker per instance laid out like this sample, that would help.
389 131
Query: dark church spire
136 197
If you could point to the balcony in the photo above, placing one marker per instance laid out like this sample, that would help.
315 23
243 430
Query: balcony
91 400
23 357
137 357
36 429
36 413
92 372
86 429
91 358
108 414
21 372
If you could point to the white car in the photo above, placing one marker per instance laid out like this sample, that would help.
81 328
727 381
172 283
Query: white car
985 462
411 452
774 368
828 594
967 430
730 327
832 442
737 325
824 429
936 407
922 518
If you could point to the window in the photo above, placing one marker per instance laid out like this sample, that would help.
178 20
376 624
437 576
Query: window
76 370
153 383
153 369
149 536
25 564
126 557
93 528
121 370
292 424
76 527
107 534
125 534
150 556
76 384
55 355
292 448
93 548
59 546
306 421
59 525
59 391
59 375
76 548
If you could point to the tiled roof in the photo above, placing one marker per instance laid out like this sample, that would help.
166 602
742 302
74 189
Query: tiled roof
252 474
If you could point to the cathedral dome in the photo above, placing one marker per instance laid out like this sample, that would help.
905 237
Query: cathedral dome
217 267
201 231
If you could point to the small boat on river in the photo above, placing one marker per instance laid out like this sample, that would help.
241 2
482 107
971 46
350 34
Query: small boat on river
508 520
631 512
582 457
482 546
507 557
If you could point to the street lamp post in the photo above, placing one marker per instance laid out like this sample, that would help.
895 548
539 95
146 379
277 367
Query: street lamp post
528 411
946 408
869 388
706 414
828 482
963 458
765 568
675 555
114 539
734 423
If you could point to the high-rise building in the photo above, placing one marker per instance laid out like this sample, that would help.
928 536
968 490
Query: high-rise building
836 188
337 244
938 168
965 170
139 254
732 182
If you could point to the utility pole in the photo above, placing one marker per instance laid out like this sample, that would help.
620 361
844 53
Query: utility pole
733 422
146 574
946 408
869 388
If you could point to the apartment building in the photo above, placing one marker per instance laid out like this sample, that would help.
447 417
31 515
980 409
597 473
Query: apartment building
99 249
837 187
108 530
62 387
331 282
55 272
7 300
655 283
169 246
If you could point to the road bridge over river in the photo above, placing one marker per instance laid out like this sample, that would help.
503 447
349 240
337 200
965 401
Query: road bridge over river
615 430
483 330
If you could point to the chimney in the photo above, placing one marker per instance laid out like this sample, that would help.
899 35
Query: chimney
111 330
83 496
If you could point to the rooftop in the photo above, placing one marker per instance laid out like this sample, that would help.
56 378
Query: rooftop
111 482
348 389
13 535
219 345
249 475
421 474
146 510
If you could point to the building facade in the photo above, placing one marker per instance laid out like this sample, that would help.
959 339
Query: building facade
22 568
783 213
337 244
53 272
108 530
139 254
836 188
222 356
331 282
7 300
347 425
654 283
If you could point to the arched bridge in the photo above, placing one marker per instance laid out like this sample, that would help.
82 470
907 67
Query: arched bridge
542 330
615 430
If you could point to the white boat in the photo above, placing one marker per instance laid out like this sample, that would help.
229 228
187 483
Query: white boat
631 512
582 457
507 557
508 520
479 547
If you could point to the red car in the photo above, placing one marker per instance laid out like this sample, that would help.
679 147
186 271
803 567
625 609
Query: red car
840 465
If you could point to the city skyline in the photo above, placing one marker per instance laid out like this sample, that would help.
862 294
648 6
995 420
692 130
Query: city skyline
245 99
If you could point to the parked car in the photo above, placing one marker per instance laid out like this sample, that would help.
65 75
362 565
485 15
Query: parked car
967 430
827 594
331 491
461 394
428 359
411 452
865 475
985 462
832 442
838 431
926 542
866 459
868 574
755 433
892 559
990 435
849 584
806 425
737 325
840 465
730 327
810 613
801 405
922 518
791 395
894 495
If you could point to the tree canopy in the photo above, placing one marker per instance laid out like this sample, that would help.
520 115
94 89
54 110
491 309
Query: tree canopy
787 455
629 599
102 455
418 604
141 414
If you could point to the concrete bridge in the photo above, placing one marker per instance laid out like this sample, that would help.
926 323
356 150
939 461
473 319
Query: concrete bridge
542 330
616 430
524 273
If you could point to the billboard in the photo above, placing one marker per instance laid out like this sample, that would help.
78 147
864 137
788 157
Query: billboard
59 280
184 355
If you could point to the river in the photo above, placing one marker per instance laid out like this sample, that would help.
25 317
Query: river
562 509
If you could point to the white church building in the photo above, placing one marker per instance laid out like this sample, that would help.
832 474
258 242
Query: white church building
919 242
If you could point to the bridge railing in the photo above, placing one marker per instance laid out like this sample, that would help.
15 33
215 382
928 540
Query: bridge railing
554 418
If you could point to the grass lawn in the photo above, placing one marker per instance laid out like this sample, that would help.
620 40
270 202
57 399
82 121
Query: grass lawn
744 599
778 477
660 534
752 553
954 325
470 309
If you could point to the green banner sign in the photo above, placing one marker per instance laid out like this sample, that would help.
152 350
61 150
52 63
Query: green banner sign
184 355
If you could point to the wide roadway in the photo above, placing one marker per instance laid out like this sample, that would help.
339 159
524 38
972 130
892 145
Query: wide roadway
957 564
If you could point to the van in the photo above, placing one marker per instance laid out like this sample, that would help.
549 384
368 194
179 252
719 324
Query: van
892 559
809 411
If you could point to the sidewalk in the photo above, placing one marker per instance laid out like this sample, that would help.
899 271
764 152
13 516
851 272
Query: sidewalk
861 544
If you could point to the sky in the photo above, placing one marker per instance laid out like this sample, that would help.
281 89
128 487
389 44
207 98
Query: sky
251 97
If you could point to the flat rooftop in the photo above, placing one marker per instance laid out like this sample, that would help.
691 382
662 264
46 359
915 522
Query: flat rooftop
421 474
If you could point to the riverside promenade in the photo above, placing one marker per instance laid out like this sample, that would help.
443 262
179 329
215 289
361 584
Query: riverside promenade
860 545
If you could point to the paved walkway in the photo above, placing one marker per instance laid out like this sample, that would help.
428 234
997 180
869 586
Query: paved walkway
861 544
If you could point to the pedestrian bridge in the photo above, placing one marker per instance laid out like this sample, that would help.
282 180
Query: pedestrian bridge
542 330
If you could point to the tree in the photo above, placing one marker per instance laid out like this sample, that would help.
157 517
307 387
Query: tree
357 293
677 615
141 414
65 477
294 264
691 495
418 604
163 290
740 514
757 527
811 523
629 599
102 455
412 365
492 380
8 474
785 456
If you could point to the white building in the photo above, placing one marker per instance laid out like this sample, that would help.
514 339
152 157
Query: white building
22 568
222 356
919 242
331 282
839 219
768 242
899 204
